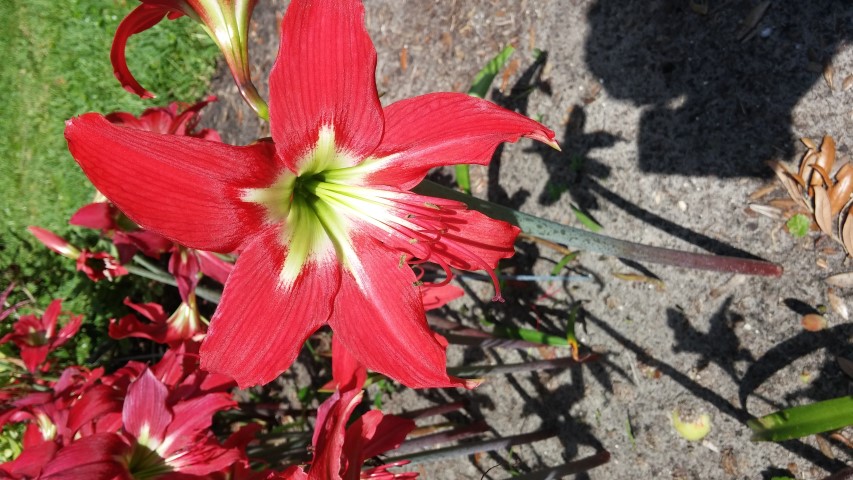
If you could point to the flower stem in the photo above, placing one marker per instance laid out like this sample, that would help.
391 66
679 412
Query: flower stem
154 273
474 447
593 242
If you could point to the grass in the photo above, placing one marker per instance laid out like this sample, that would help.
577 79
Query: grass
56 65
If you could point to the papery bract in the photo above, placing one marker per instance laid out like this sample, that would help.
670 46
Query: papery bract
322 216
227 23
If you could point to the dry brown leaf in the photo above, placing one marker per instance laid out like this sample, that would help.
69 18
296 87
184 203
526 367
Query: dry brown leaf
822 210
840 193
752 19
837 304
813 322
763 191
829 75
808 142
847 83
841 280
767 211
404 59
827 153
787 178
806 165
824 446
847 234
634 277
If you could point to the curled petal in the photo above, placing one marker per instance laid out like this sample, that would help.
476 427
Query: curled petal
140 19
444 129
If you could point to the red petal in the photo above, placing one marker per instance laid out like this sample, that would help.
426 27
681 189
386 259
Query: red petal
324 76
475 241
214 267
445 129
387 435
329 434
260 327
95 457
183 188
192 417
30 462
347 372
98 215
145 411
382 321
130 326
436 296
54 242
140 19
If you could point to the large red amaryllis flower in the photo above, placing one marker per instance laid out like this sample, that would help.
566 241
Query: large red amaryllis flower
322 216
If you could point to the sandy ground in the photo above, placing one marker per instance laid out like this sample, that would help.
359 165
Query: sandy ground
666 117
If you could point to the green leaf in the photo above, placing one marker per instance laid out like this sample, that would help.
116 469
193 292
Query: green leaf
576 238
798 225
804 420
480 88
484 79
528 335
586 220
563 262
463 177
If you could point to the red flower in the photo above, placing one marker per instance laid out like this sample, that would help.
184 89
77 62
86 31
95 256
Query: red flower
158 439
96 265
340 451
323 216
38 336
178 118
184 324
227 23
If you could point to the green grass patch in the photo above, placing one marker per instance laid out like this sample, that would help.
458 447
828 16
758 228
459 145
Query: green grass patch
56 65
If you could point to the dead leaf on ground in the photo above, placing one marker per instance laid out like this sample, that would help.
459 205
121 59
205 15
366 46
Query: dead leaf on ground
813 322
847 83
822 210
837 304
841 280
635 277
829 76
847 233
752 19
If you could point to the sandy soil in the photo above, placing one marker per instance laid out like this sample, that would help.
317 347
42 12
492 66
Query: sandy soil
666 117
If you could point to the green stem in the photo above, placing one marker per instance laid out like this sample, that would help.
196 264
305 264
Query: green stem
160 276
593 242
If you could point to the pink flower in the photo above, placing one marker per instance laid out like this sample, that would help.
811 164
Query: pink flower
38 336
322 215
